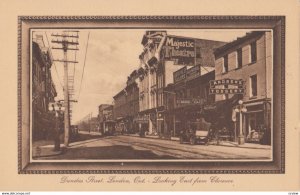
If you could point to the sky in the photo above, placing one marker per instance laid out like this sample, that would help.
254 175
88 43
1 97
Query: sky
105 58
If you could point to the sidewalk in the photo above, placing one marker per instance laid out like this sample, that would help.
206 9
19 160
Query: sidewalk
45 148
213 142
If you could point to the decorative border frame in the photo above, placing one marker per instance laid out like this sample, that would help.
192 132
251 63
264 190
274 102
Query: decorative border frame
276 23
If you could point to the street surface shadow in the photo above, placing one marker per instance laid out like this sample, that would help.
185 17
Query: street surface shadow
83 137
109 153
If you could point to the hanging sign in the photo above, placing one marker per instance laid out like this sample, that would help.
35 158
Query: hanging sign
193 72
239 87
179 75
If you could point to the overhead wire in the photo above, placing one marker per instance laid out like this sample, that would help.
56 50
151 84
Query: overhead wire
54 64
84 63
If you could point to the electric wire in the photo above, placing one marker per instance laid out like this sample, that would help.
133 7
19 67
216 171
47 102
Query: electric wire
86 48
54 64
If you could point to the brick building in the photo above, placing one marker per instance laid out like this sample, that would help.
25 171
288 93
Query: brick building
249 59
43 90
126 106
162 55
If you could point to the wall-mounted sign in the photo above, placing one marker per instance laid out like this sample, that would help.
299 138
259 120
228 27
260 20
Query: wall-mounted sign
107 115
193 72
179 75
189 101
180 50
235 82
142 119
227 91
239 87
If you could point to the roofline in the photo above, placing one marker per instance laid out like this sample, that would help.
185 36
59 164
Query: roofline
235 43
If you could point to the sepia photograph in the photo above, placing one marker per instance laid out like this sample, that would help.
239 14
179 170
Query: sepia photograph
153 94
166 94
150 96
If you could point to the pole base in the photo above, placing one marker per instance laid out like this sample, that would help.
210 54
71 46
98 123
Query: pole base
241 140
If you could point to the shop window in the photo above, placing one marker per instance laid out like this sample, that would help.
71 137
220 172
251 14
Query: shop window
239 58
225 64
253 85
253 52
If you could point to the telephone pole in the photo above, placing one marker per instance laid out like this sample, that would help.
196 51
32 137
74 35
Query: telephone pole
66 44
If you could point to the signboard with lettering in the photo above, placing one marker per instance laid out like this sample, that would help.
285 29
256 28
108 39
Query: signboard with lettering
226 91
239 86
193 72
189 101
180 50
235 82
107 115
179 75
142 119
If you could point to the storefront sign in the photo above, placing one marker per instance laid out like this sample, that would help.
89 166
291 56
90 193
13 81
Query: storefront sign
180 50
142 119
193 72
214 83
239 87
107 115
179 75
189 101
226 91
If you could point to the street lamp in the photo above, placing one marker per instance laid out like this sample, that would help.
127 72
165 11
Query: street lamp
241 109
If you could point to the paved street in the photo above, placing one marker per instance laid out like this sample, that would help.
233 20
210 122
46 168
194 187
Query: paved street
132 147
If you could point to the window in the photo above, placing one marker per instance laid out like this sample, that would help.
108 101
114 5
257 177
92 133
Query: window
239 58
198 52
225 64
253 86
253 52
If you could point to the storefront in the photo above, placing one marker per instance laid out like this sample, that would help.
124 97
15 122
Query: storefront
258 121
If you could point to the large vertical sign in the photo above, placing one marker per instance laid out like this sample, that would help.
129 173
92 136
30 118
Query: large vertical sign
180 50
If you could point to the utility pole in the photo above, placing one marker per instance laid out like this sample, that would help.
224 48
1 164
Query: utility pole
66 45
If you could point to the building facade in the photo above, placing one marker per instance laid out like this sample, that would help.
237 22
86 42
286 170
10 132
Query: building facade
126 106
249 59
185 101
43 90
163 55
105 118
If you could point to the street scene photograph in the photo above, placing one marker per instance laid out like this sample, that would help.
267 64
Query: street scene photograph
151 94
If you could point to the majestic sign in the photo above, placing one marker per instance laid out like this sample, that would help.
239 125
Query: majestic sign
179 75
180 50
239 87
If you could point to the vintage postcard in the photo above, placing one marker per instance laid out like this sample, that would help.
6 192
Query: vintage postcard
133 93
171 102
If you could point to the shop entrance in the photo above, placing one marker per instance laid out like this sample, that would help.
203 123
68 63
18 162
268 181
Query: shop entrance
255 126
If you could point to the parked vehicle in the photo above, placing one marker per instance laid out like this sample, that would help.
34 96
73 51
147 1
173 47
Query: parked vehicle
196 132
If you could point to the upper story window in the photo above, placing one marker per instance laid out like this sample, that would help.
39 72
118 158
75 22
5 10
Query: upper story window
239 58
253 52
225 64
198 52
253 85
